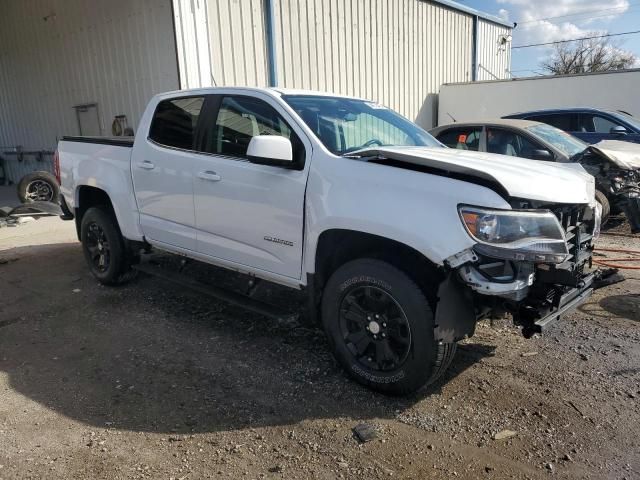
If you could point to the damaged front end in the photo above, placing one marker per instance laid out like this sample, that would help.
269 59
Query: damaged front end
532 262
617 175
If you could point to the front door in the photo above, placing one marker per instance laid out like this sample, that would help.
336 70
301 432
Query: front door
249 214
162 169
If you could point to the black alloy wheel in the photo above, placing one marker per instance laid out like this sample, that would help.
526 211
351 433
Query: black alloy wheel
375 328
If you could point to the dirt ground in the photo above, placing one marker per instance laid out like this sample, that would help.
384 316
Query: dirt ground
152 381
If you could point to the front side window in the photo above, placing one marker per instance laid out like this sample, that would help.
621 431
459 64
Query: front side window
507 142
240 119
174 122
598 124
345 125
462 138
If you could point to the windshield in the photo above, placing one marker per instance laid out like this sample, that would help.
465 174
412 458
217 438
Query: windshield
345 125
625 117
559 139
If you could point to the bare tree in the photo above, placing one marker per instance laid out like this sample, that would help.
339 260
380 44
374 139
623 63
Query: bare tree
590 55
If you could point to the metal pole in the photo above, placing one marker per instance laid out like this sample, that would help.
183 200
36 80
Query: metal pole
271 42
474 51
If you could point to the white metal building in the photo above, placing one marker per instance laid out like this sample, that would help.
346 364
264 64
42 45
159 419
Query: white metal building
69 67
613 90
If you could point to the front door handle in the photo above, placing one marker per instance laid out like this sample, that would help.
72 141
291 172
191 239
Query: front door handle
146 165
209 175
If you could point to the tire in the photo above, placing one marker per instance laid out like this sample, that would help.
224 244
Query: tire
357 292
38 187
104 247
602 199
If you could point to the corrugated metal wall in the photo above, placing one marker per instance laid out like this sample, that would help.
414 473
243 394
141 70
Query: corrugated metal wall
494 58
192 43
395 53
55 54
237 40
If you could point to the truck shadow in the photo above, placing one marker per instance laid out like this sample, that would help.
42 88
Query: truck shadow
150 357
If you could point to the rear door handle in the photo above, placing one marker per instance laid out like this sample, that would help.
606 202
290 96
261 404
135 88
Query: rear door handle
147 165
209 175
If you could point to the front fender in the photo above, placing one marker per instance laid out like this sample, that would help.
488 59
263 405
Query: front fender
416 209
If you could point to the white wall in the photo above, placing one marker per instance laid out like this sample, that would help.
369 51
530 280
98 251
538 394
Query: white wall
484 100
117 53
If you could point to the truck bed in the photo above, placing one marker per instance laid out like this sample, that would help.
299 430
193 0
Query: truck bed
117 141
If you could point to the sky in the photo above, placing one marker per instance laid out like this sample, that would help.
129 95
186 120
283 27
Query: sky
579 18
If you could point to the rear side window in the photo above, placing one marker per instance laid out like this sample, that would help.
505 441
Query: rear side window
467 138
561 121
174 122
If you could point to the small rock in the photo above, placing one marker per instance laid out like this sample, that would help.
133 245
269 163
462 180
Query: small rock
528 354
76 290
343 464
549 466
276 469
567 458
504 434
584 356
365 432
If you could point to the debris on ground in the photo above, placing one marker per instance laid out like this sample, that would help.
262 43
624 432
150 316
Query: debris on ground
365 432
504 434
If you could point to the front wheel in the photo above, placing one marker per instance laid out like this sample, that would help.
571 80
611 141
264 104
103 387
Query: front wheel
381 328
104 248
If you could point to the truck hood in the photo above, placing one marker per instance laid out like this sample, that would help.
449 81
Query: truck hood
625 155
518 177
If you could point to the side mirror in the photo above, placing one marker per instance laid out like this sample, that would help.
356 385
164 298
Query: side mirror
541 155
618 130
270 150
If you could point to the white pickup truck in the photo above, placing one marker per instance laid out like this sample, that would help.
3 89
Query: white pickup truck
400 243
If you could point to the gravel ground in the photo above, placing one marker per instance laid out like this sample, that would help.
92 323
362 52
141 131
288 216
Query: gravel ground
152 381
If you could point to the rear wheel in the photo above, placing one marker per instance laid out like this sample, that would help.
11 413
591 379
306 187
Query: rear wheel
104 247
602 199
381 328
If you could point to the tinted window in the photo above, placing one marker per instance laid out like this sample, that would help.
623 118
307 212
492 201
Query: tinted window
561 121
461 138
174 122
507 142
345 125
240 119
597 124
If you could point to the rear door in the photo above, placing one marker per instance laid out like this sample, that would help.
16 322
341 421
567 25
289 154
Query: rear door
162 170
249 214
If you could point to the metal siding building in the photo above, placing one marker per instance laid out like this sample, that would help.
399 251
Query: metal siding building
56 54
59 54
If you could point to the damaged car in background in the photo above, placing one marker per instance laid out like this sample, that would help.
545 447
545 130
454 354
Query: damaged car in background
400 244
614 164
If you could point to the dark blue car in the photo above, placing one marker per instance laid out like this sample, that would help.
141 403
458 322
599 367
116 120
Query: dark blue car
588 124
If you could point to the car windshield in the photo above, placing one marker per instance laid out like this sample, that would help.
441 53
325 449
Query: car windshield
625 117
559 139
346 125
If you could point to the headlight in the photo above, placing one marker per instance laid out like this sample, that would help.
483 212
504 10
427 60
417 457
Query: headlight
534 236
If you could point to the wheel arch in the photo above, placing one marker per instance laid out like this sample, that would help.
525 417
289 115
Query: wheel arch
337 246
86 197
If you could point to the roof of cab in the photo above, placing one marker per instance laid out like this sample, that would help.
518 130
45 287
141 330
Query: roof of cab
500 122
